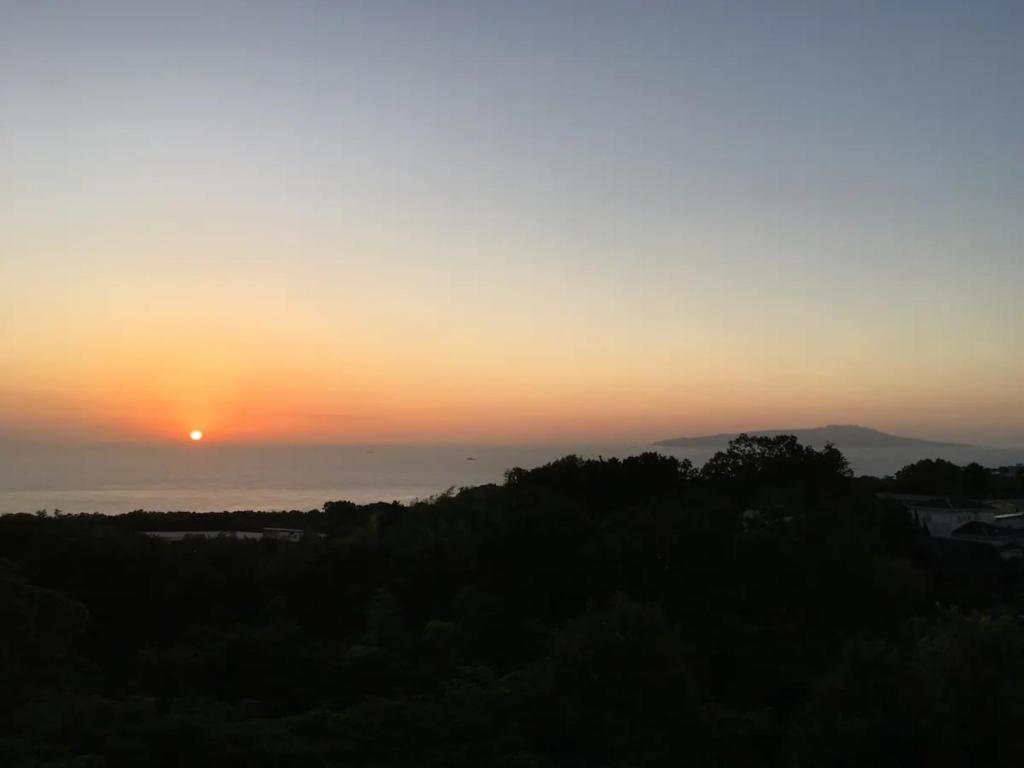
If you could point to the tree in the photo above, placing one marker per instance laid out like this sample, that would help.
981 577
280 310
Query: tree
751 465
929 476
976 481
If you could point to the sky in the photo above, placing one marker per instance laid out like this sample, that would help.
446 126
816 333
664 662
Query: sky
510 222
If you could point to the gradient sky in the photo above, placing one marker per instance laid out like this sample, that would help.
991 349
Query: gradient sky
349 222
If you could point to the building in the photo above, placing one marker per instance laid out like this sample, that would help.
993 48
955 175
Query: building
943 515
976 522
285 534
1012 470
278 534
1006 541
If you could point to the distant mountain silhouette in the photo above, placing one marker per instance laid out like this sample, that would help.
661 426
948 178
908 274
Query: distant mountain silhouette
840 434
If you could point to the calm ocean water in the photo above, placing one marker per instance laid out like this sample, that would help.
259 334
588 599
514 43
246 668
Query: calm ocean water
119 478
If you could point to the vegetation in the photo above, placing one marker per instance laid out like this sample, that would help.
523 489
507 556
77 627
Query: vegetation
767 609
939 477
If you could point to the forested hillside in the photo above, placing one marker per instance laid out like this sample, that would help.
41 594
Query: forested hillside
766 609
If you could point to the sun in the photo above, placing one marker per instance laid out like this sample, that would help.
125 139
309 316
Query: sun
196 434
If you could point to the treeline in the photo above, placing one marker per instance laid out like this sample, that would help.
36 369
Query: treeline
940 477
766 609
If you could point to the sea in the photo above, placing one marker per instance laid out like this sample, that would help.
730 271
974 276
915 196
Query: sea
115 478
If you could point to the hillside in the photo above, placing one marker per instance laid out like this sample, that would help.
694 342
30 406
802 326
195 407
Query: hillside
766 609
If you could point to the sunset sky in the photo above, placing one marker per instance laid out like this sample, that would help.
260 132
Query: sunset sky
508 222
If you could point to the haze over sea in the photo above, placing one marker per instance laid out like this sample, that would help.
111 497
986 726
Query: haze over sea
114 478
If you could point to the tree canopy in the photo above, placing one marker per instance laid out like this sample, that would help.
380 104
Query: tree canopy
766 609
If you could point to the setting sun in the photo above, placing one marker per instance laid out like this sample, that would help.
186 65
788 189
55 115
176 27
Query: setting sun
195 434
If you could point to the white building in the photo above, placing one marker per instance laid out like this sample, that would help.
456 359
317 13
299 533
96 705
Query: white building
944 515
972 521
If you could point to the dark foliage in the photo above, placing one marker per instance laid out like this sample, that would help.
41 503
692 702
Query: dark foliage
764 610
939 477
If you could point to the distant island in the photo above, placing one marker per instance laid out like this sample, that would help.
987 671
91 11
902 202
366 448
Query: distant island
842 435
